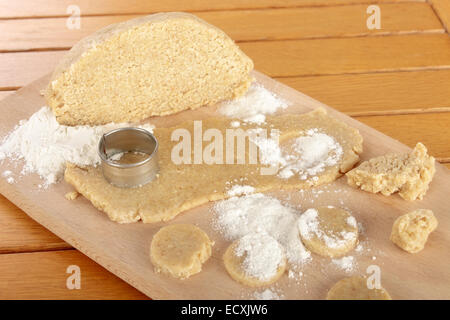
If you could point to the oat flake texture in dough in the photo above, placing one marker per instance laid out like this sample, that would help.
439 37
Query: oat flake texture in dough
149 66
179 250
410 231
255 260
328 231
409 174
355 288
200 183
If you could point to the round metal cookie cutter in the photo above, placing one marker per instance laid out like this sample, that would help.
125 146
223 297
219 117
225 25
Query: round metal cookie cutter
123 140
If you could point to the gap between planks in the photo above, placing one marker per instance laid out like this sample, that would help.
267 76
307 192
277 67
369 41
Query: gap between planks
389 93
442 10
242 26
292 58
43 275
25 235
41 9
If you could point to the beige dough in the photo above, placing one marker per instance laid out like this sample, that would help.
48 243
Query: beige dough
408 174
241 260
355 288
196 184
149 66
180 250
410 231
71 195
328 231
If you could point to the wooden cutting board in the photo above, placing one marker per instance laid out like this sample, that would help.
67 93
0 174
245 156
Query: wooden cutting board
124 249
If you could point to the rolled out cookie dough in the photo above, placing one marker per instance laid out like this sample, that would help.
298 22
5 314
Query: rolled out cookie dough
245 263
408 174
328 231
180 250
355 288
180 187
410 231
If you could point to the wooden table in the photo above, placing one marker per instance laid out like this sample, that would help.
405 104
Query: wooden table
395 79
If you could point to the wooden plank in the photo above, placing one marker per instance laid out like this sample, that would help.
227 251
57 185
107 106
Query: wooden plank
4 94
42 275
21 234
350 55
287 58
442 8
431 129
49 8
123 249
18 69
379 93
242 25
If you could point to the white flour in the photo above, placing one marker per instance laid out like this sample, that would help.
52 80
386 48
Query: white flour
311 155
237 190
345 263
267 294
8 176
254 105
46 146
257 213
308 225
308 155
262 254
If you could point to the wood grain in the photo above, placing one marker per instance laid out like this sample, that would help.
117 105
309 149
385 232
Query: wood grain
379 93
123 249
4 94
287 58
48 8
431 129
242 25
42 275
19 69
21 234
350 55
375 93
442 8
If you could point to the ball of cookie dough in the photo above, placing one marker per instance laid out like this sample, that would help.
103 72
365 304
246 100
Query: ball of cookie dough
356 288
410 231
180 250
255 260
328 231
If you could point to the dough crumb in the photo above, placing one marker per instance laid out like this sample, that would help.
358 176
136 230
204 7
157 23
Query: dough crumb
410 231
408 174
72 195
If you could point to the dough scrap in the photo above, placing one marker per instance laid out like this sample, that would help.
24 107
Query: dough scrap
235 264
154 65
408 174
179 250
71 195
355 288
180 187
410 231
328 231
